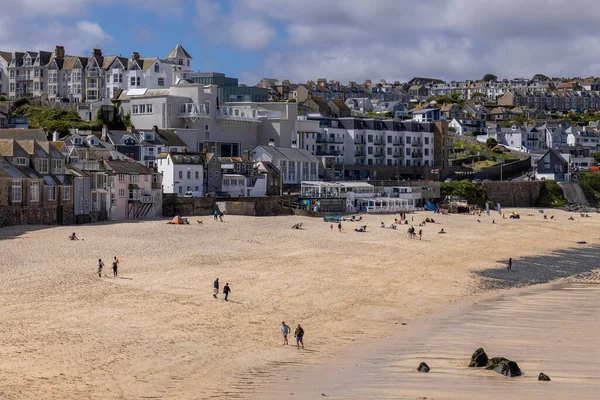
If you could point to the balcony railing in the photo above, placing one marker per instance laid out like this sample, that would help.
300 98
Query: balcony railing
328 152
396 143
94 73
192 111
417 155
397 155
359 153
240 114
328 139
147 199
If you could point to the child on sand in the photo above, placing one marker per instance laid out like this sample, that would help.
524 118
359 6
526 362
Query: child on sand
115 266
73 237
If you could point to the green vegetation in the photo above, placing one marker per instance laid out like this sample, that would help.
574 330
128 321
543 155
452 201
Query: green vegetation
477 148
2 98
490 78
454 98
497 149
54 119
590 184
597 157
474 194
551 195
478 133
477 94
452 129
491 143
586 117
540 77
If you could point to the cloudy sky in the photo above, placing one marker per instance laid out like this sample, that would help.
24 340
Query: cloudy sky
334 39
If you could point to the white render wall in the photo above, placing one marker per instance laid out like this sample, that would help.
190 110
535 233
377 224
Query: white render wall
173 184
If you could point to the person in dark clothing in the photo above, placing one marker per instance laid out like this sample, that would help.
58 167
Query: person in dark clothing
299 336
509 267
226 291
115 266
216 286
420 234
340 227
100 266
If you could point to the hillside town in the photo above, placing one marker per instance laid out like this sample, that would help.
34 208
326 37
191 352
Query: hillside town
157 129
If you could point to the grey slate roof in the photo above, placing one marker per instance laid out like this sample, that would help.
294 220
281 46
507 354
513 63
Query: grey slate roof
289 153
23 134
127 167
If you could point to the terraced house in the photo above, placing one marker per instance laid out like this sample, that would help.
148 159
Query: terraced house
34 188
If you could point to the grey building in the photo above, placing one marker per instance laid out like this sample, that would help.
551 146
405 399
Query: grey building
228 89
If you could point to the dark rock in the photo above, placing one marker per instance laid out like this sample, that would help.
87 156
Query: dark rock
503 366
423 368
479 358
543 377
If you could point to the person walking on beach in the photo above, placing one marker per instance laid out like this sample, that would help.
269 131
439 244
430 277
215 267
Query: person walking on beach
115 266
226 291
221 216
509 266
216 214
331 226
284 331
216 286
340 227
420 234
100 266
299 336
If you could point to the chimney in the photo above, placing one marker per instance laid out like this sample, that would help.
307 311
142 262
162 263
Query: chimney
55 136
104 136
135 55
59 52
97 53
272 142
294 144
322 82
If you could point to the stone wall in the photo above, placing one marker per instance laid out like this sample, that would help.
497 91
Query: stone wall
27 215
260 206
513 194
497 172
187 206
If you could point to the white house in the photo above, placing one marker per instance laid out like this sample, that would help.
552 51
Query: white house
296 165
182 172
427 115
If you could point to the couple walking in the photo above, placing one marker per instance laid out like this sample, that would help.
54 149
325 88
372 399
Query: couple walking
115 267
299 334
226 289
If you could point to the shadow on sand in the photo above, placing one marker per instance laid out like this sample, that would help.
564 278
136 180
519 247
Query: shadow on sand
542 269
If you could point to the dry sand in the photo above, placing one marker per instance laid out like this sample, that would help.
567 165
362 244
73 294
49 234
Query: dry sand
157 332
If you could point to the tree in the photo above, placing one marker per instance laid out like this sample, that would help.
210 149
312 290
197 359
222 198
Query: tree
497 149
597 157
477 94
490 143
490 78
452 129
540 77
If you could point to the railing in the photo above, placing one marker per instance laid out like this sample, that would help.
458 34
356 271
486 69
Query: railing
417 155
187 110
94 73
325 139
359 153
147 199
397 155
328 152
241 113
24 78
397 144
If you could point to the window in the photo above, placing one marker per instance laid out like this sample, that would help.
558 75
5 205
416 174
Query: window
134 179
426 152
180 61
207 106
12 87
20 161
43 166
151 150
132 83
408 140
196 188
180 174
36 72
426 140
135 109
142 109
180 189
57 166
408 152
189 174
188 62
52 193
138 81
156 67
66 193
197 174
161 81
115 78
34 192
121 178
12 74
17 191
210 175
149 108
121 192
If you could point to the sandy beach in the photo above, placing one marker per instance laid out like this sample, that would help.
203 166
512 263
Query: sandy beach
157 332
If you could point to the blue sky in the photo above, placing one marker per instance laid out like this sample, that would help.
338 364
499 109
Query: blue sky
334 39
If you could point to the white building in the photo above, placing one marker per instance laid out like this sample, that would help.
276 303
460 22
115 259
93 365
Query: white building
182 173
295 164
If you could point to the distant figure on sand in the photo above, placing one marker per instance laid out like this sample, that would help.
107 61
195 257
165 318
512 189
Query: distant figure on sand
115 266
216 214
420 234
331 226
299 336
100 266
285 330
73 237
226 291
382 225
441 232
221 216
509 266
216 286
493 221
340 227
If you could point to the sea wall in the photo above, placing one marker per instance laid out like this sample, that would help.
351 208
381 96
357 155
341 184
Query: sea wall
513 194
187 206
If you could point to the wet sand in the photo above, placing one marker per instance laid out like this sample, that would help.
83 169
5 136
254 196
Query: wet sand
551 329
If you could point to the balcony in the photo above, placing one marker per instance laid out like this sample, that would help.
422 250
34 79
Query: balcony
192 112
334 153
379 155
396 143
417 144
397 155
330 139
240 115
94 73
359 141
417 155
147 199
22 78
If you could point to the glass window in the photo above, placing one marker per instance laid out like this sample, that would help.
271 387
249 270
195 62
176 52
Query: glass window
197 174
17 191
66 193
34 192
121 192
180 174
121 178
189 175
52 193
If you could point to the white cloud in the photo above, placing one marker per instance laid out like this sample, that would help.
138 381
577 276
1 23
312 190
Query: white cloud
252 34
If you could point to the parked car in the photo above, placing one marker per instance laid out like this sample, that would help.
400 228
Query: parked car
449 180
486 180
477 181
222 194
188 194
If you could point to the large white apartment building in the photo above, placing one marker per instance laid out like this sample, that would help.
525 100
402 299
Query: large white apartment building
193 112
82 78
372 142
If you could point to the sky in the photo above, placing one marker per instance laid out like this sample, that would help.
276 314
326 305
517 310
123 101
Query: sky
344 40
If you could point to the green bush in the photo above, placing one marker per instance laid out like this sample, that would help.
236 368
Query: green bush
490 143
474 194
478 133
590 184
497 149
2 98
551 195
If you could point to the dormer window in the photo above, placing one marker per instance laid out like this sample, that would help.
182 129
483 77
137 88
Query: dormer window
181 61
77 140
149 136
22 161
156 67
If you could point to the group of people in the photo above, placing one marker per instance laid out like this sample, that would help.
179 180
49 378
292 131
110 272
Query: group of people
115 265
413 234
218 215
226 289
298 334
